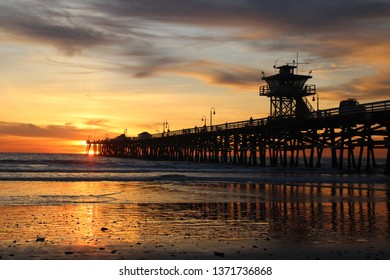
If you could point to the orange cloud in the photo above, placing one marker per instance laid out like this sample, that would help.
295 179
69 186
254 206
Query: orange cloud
24 137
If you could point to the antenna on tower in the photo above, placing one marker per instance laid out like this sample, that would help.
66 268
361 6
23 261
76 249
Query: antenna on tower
276 61
297 62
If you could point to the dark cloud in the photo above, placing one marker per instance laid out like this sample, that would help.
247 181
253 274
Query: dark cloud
72 27
48 131
97 122
234 78
45 26
224 73
323 16
330 30
130 31
149 66
368 88
298 15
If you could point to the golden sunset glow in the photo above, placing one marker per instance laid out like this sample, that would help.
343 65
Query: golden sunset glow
73 71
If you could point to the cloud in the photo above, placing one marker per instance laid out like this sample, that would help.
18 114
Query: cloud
97 122
223 73
148 38
337 31
297 16
48 131
38 24
367 88
211 72
68 138
137 25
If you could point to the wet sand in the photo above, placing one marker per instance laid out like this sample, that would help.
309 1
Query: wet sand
167 231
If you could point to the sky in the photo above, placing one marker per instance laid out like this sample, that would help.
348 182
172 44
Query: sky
91 69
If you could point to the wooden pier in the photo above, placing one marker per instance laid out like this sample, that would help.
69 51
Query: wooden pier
353 137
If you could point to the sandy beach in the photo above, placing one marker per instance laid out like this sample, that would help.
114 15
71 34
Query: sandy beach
77 207
145 232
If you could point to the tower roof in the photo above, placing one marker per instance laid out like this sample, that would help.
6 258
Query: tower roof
286 73
286 82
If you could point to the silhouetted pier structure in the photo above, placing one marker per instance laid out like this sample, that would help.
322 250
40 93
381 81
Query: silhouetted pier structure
353 135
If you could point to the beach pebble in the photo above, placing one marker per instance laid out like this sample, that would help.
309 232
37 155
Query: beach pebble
40 239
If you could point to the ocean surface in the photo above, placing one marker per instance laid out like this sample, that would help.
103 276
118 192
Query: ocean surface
51 194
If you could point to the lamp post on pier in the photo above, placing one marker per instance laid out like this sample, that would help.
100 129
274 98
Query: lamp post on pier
204 120
165 125
212 112
318 101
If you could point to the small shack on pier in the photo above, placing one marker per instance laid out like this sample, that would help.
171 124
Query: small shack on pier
144 135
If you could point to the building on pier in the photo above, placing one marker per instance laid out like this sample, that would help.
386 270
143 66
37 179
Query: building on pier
288 93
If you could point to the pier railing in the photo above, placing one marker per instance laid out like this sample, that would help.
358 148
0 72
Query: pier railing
363 109
307 90
226 126
367 108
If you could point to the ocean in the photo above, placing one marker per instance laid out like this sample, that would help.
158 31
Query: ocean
60 206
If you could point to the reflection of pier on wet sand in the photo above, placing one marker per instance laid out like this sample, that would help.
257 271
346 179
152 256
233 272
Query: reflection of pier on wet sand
261 221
